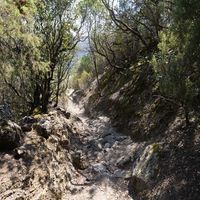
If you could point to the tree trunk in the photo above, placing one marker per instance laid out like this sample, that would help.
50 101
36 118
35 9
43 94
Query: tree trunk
57 92
47 90
46 95
36 98
96 70
97 74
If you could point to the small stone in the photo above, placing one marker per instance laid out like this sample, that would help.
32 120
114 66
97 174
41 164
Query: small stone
121 138
107 150
99 167
122 161
67 115
19 153
115 144
118 173
28 120
107 145
99 156
99 146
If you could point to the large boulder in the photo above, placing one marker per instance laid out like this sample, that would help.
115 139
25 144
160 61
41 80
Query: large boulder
27 122
10 135
144 170
43 128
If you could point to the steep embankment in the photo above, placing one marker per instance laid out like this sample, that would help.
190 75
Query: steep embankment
168 168
40 167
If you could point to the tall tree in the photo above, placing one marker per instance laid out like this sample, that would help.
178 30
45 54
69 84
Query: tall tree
20 58
177 62
142 18
55 26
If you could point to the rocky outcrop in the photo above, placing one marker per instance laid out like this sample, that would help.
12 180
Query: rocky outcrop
144 170
27 122
43 128
40 167
10 135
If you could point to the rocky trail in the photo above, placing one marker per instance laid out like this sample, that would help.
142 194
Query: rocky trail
103 159
67 155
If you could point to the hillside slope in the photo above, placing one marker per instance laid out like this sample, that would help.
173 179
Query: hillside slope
68 155
137 109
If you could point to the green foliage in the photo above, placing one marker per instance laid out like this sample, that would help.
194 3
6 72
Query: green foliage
55 26
36 111
172 70
38 42
93 5
83 73
177 62
20 57
187 18
37 47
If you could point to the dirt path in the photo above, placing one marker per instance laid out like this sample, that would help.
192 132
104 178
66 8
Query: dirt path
81 159
104 160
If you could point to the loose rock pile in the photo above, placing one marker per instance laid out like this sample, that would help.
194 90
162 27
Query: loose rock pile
39 167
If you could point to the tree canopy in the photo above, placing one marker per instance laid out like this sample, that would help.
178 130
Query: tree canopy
39 38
